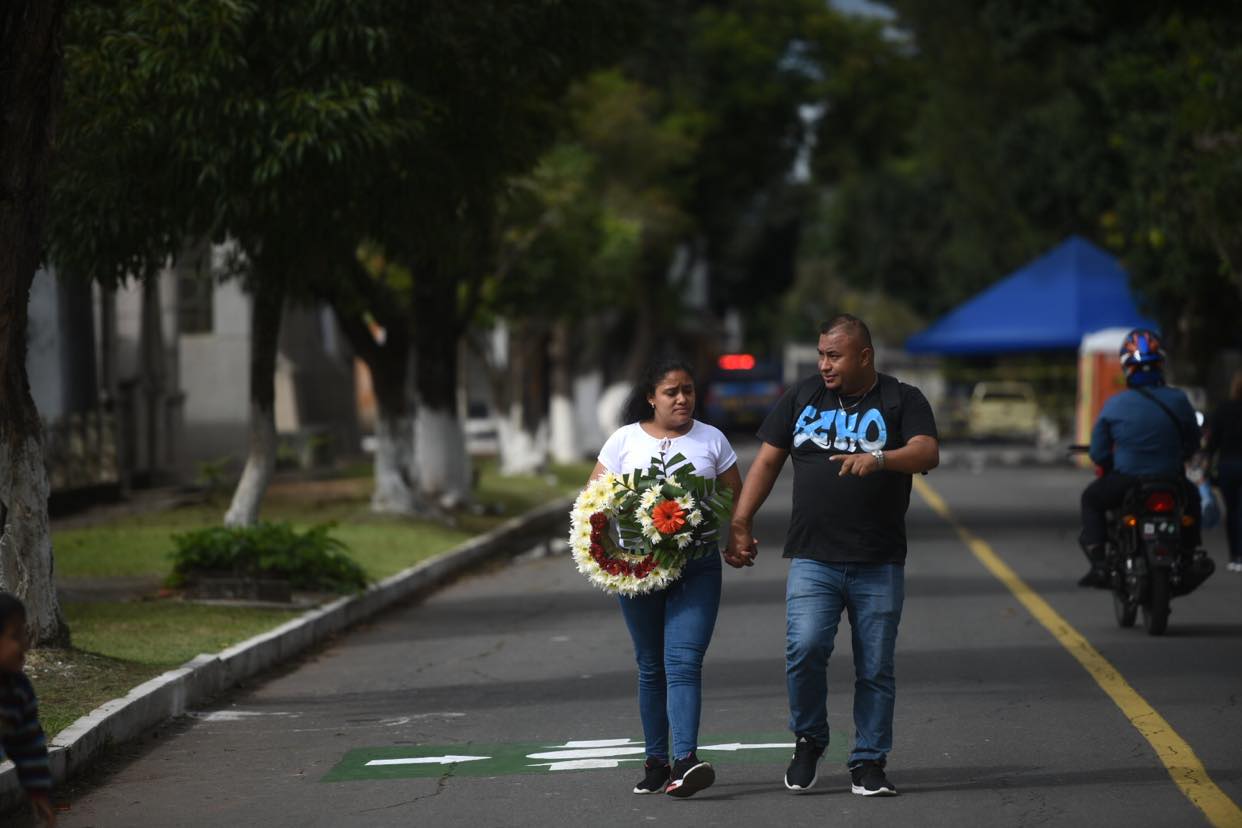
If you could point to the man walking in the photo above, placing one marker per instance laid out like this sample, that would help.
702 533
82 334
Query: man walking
857 437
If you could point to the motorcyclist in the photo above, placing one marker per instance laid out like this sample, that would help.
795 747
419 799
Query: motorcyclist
1148 430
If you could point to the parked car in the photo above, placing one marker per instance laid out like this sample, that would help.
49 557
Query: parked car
1003 410
741 391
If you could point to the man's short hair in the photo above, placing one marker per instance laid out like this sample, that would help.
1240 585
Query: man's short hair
852 325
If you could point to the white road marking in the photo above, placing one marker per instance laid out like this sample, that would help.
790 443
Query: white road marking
741 746
236 715
427 760
582 764
588 753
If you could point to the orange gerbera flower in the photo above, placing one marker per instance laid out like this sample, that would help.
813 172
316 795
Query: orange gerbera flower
668 517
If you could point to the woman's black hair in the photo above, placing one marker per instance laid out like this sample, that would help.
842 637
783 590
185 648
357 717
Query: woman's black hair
11 609
636 408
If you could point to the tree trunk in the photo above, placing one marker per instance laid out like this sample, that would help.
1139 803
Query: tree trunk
396 476
648 321
443 464
153 378
30 87
523 425
396 490
562 420
444 471
261 460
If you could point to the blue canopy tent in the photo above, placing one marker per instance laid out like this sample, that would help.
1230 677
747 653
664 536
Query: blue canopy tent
1048 304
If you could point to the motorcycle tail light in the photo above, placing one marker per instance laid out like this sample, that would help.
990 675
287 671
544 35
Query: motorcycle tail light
1130 520
1160 502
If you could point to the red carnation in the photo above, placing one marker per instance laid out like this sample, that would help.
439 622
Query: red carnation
599 521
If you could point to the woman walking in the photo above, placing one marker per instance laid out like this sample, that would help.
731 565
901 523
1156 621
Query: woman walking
671 627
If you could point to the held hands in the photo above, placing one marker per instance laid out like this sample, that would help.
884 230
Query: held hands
742 548
856 464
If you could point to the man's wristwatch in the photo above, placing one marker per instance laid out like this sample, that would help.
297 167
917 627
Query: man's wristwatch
878 454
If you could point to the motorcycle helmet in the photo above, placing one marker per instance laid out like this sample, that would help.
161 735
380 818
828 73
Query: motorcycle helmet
1142 357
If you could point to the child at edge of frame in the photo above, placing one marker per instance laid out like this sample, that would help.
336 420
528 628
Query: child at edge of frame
21 735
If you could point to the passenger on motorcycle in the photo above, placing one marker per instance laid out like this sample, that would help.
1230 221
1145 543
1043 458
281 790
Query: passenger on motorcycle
1148 430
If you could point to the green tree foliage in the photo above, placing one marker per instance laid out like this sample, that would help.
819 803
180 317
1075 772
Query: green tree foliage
701 131
1019 123
199 118
1172 87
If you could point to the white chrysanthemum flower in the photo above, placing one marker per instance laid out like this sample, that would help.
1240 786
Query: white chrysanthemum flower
648 499
686 502
694 518
683 540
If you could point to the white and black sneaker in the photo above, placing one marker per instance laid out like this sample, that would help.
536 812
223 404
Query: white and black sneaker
869 780
689 777
803 770
655 778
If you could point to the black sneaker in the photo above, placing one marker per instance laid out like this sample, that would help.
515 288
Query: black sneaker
803 770
689 777
1096 578
656 777
869 779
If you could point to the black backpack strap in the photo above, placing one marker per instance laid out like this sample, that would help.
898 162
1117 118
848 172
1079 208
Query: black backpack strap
1182 436
890 400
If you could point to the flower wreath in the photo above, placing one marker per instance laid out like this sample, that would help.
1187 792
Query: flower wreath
633 533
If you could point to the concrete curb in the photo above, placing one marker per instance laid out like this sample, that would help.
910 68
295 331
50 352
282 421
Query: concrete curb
171 693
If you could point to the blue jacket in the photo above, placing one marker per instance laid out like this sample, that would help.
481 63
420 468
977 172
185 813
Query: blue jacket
1135 436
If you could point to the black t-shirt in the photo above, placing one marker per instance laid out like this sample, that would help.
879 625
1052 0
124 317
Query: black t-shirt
847 519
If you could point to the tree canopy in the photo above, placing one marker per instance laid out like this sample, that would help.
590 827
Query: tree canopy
1018 124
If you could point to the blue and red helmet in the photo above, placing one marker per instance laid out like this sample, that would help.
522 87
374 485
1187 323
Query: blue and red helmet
1142 350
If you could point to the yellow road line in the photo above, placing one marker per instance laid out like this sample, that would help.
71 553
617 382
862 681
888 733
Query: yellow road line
1172 750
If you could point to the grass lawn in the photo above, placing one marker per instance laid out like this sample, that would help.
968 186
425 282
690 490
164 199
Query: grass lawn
120 644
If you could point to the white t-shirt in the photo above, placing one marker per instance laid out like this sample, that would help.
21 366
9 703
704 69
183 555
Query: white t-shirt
630 448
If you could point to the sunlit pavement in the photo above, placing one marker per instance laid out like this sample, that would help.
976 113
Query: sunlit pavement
529 668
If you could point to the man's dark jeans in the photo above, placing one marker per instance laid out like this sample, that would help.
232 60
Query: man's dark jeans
1108 491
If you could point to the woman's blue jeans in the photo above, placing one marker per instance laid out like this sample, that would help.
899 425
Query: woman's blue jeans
671 629
815 596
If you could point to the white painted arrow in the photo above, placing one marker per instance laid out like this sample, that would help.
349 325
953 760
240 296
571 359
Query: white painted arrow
588 753
740 746
427 760
583 764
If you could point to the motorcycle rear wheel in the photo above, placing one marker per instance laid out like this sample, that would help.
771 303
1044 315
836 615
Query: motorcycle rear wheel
1156 610
1123 610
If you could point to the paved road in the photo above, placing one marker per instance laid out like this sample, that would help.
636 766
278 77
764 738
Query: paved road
997 723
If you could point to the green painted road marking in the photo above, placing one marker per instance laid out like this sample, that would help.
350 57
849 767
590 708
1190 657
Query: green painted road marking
420 761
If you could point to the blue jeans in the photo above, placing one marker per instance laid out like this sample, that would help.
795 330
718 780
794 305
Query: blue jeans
872 595
671 629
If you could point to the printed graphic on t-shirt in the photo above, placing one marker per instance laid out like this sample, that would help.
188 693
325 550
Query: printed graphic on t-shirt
838 430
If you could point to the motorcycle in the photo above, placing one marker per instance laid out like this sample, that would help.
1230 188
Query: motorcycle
1148 556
